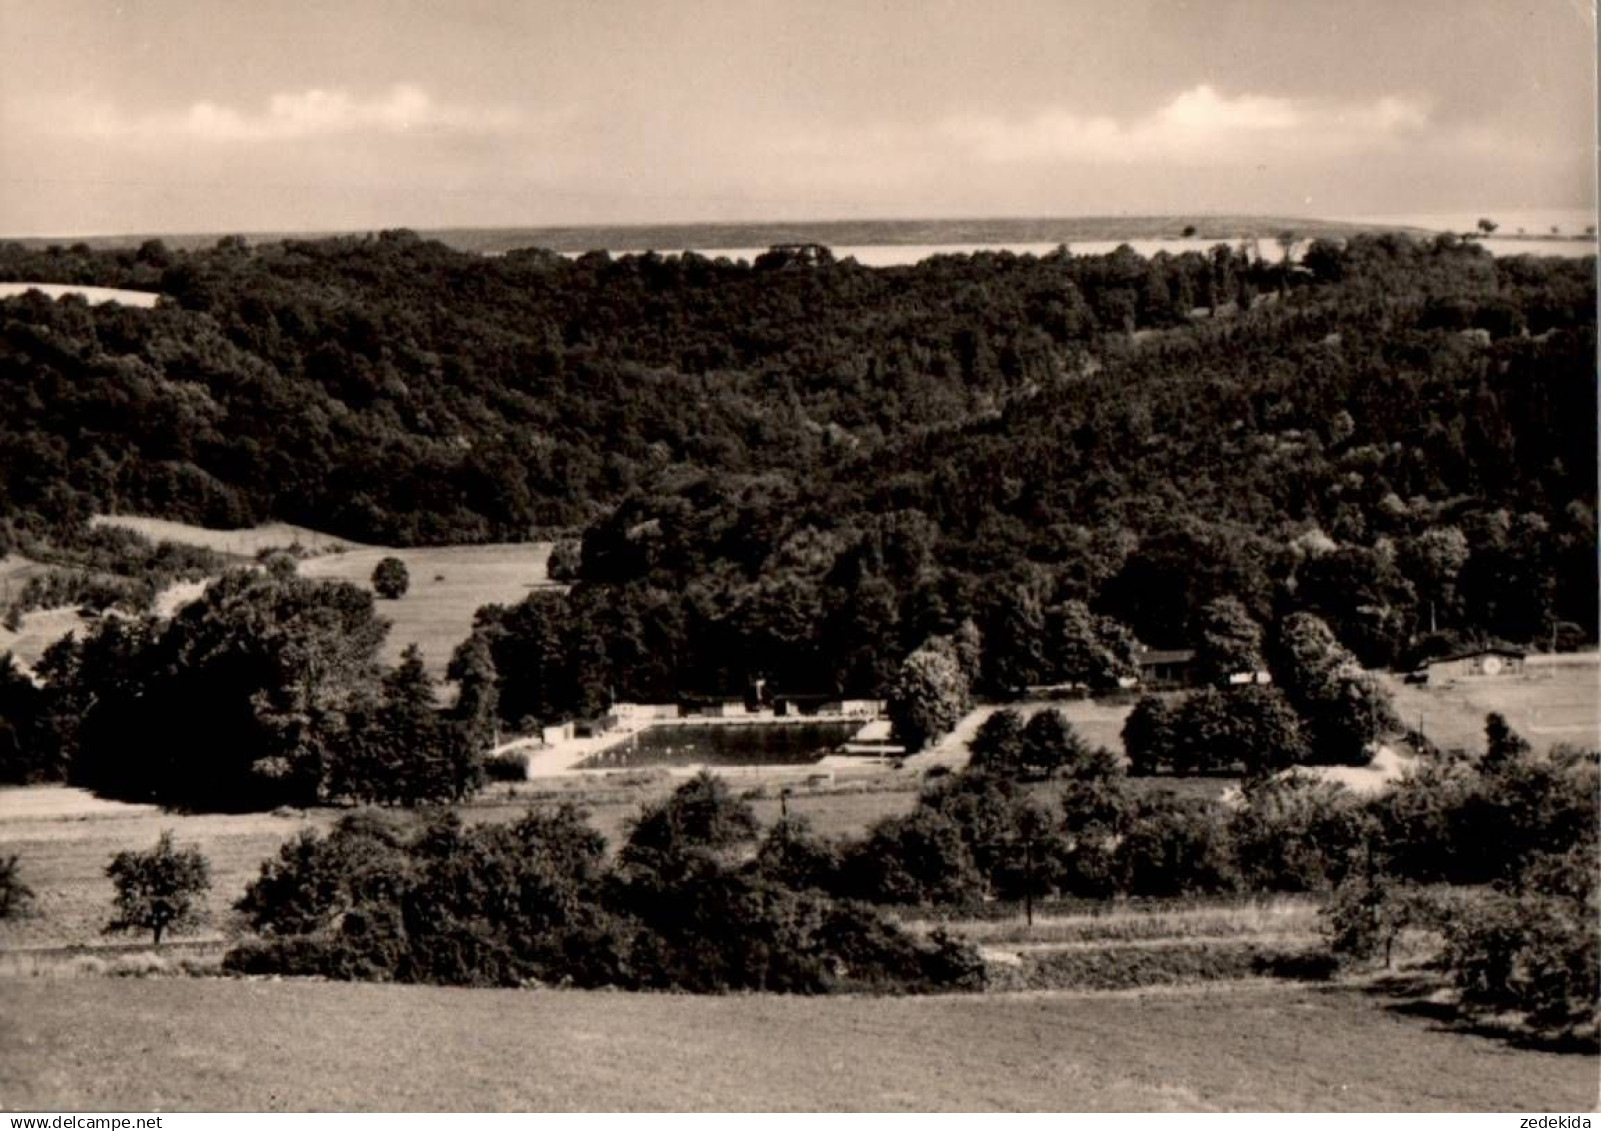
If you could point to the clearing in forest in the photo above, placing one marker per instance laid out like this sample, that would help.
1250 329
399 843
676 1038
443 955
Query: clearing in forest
448 583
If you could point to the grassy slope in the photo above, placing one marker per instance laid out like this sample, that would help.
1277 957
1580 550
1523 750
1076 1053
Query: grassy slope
448 583
244 543
218 1045
40 629
63 840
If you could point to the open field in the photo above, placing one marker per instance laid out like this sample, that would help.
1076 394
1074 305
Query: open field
63 839
204 1044
1556 700
244 543
39 630
15 572
448 583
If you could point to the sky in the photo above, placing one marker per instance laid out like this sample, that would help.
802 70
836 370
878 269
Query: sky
239 115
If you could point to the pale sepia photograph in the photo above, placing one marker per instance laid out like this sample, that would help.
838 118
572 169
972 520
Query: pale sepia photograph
798 556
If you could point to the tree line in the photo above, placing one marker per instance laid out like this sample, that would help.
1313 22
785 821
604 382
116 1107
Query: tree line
264 691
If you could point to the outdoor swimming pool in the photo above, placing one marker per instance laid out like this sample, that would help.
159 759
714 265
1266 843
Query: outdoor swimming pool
727 744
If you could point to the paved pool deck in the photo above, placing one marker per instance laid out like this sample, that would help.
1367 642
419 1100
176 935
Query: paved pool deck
564 758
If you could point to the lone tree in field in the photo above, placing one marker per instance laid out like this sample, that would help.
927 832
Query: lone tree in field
161 890
391 579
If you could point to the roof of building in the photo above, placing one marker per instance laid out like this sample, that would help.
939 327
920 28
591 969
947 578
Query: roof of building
1482 650
1153 656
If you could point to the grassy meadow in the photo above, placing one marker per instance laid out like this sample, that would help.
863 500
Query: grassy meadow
448 583
64 837
214 1044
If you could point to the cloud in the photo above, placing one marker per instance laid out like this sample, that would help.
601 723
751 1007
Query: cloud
292 116
1199 125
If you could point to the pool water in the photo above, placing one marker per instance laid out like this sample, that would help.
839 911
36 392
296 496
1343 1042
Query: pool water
733 744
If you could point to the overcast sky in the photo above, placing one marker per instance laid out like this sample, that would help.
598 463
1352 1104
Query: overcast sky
251 115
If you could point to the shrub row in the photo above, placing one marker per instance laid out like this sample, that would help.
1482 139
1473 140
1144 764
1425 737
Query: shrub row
684 907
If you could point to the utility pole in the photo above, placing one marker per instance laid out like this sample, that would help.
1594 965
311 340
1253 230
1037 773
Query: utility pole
1028 881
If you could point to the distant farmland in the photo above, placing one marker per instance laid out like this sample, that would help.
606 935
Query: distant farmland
94 295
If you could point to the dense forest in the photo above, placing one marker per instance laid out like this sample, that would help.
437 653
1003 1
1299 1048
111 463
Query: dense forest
801 469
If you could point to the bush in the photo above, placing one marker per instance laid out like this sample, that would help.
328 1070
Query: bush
700 815
929 696
920 858
1148 735
1248 729
997 745
490 905
1050 745
1175 848
1296 834
1452 822
391 579
15 896
1343 710
566 558
793 856
1533 947
508 767
1367 915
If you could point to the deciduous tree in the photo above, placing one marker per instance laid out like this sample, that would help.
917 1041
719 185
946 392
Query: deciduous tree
1228 641
159 891
929 697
